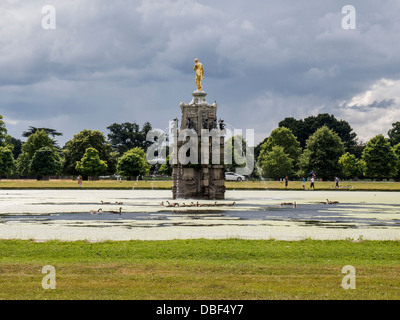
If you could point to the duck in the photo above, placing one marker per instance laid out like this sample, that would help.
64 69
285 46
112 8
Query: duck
286 204
175 204
96 211
117 212
116 202
231 204
103 202
331 202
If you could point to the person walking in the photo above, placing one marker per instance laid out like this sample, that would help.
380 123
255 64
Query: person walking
337 182
312 183
80 181
286 181
304 183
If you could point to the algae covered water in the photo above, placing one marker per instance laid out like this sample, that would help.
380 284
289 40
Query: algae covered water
285 215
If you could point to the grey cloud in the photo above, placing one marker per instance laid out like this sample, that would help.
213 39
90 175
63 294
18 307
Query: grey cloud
111 60
383 104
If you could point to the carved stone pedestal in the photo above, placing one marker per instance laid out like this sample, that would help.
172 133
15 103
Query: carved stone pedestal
204 179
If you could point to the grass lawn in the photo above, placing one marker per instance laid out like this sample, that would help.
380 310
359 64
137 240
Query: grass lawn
167 184
200 269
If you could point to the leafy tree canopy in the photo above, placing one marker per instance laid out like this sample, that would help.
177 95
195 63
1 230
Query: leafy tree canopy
75 148
91 164
133 163
380 158
351 166
32 130
285 138
323 150
51 132
6 161
302 129
17 146
276 163
45 162
165 168
5 139
127 135
396 150
394 133
34 143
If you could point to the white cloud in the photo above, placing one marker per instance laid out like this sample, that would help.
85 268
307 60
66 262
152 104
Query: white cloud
373 111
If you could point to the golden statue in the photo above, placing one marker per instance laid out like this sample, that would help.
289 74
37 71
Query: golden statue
198 67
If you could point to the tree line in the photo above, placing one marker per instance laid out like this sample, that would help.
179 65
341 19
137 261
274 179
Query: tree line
88 153
329 148
320 144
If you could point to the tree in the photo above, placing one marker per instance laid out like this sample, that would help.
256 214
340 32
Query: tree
3 133
322 153
133 163
6 161
32 130
396 150
298 128
17 147
165 168
7 146
351 166
91 164
126 136
302 129
380 158
51 132
285 138
394 133
75 148
5 139
257 149
237 152
276 163
34 143
45 162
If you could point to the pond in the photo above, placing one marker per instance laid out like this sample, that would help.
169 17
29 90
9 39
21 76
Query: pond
145 215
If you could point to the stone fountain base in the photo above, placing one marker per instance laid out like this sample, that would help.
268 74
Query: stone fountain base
204 179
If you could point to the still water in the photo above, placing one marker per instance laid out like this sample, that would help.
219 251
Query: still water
145 214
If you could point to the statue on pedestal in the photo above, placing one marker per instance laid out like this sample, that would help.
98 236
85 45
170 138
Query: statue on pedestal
198 67
199 170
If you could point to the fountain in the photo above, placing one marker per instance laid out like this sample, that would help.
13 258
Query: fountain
198 171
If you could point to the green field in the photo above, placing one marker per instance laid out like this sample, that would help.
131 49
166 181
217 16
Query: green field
230 185
200 269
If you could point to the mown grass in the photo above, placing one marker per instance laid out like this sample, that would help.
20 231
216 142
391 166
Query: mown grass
200 269
230 185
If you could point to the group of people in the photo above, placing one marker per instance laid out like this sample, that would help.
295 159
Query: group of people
312 181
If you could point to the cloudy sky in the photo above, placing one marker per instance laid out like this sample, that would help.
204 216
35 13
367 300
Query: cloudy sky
130 60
